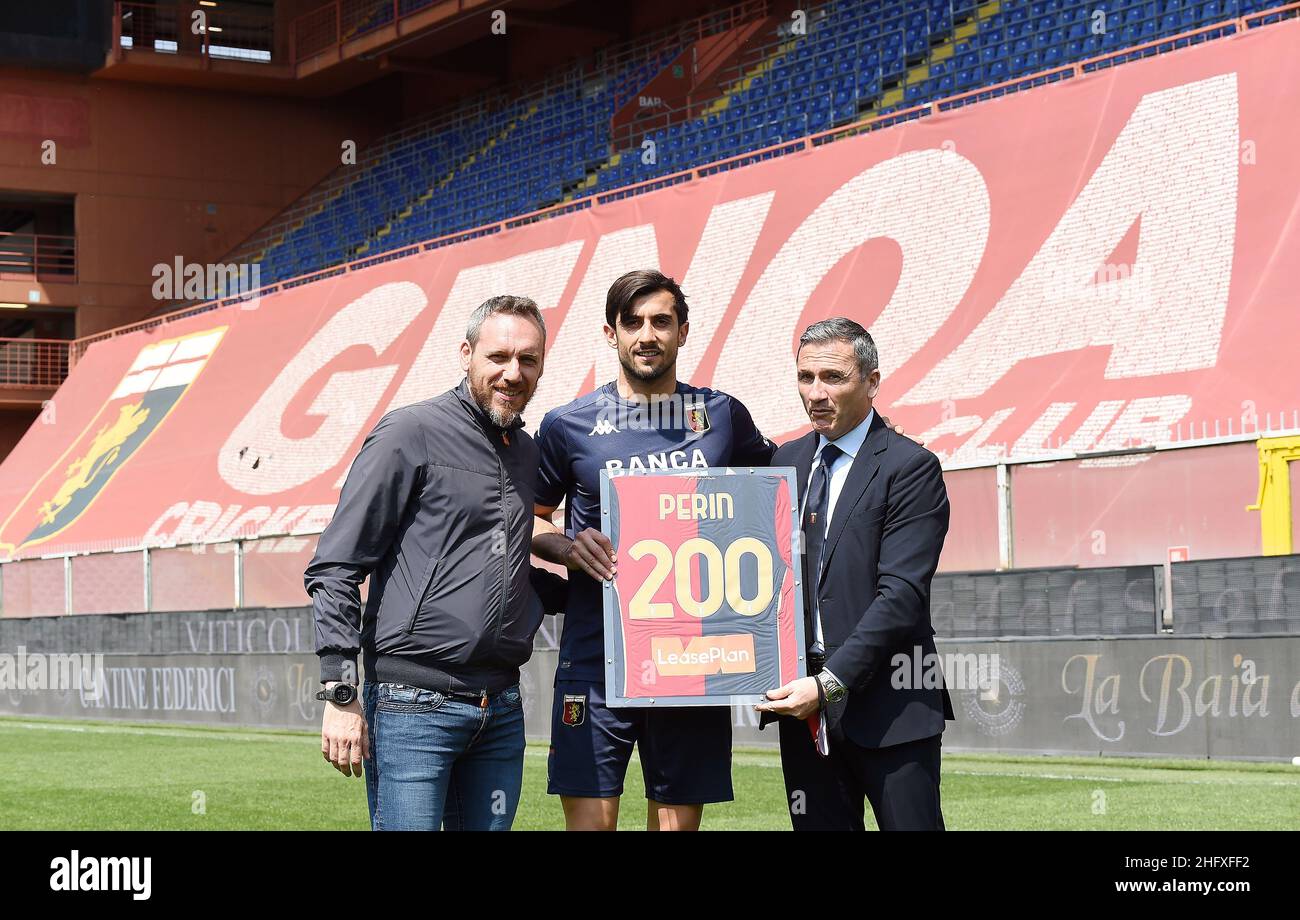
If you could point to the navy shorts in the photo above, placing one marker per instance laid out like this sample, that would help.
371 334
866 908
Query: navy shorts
685 752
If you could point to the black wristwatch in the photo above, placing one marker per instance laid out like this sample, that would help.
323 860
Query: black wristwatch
340 694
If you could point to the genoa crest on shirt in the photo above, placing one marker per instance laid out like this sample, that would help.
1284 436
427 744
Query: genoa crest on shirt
703 610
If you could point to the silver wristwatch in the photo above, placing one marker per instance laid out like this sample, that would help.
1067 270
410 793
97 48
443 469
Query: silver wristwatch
834 690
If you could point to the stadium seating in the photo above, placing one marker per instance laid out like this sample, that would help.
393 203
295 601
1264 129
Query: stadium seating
481 165
500 156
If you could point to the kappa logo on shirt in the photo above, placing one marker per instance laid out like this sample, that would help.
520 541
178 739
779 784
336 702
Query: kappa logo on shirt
603 426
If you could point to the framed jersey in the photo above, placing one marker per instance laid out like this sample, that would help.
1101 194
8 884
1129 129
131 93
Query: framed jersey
706 608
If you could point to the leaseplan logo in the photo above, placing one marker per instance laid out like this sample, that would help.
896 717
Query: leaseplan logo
151 388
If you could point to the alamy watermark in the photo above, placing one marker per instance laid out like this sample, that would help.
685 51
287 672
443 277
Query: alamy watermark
40 671
181 280
75 872
956 670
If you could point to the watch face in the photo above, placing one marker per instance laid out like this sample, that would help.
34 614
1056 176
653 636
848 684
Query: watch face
343 694
834 690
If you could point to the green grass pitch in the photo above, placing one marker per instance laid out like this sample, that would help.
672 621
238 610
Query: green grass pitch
86 775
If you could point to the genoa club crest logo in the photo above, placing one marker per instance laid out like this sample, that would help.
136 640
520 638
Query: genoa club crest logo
575 709
148 391
697 419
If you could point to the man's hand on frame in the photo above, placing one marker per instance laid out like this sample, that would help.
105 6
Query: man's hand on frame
799 698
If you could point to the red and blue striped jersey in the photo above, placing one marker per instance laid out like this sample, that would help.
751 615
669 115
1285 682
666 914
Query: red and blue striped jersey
694 428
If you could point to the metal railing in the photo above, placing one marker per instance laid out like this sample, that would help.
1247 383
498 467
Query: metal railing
34 362
38 255
329 27
235 574
174 28
245 569
361 17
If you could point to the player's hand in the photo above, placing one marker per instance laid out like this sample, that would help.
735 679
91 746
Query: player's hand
344 738
899 430
799 698
591 552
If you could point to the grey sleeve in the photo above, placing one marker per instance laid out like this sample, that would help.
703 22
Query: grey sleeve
385 474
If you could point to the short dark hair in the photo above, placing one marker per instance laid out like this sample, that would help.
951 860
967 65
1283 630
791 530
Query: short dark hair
503 303
843 329
624 291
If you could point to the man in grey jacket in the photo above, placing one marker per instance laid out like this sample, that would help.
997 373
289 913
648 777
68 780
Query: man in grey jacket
437 511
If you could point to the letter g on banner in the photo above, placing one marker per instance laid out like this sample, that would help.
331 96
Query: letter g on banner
347 400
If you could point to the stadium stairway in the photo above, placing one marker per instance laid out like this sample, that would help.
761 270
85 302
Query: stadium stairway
892 98
592 180
446 180
759 70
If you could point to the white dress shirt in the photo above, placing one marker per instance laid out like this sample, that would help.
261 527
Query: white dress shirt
849 443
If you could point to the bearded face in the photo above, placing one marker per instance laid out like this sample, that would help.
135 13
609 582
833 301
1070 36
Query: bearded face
647 337
503 366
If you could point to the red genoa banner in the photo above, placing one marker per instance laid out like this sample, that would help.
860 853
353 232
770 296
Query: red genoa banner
1093 264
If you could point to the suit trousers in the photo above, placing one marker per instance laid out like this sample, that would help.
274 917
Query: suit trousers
828 793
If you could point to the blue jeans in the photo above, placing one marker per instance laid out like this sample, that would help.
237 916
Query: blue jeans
369 698
441 762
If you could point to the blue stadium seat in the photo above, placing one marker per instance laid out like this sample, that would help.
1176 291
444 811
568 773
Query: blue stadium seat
530 153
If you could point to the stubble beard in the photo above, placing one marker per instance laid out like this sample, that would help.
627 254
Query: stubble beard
502 418
630 368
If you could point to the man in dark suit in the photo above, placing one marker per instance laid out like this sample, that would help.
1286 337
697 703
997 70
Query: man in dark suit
874 517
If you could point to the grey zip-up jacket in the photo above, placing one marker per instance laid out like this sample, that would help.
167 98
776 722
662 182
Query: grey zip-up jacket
438 510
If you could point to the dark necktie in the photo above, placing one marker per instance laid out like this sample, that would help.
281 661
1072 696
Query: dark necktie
816 510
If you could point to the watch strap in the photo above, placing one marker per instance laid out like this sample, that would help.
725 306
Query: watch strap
327 693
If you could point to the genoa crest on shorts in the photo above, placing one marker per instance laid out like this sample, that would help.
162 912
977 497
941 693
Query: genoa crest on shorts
574 712
704 610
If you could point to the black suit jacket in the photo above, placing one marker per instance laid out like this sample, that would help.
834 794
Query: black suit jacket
880 554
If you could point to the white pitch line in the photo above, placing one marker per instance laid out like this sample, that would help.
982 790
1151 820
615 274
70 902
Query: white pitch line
751 760
1126 779
158 732
1065 776
772 763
